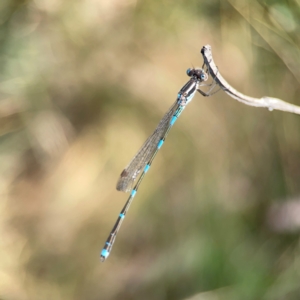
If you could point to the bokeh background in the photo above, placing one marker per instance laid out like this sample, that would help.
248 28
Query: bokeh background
82 85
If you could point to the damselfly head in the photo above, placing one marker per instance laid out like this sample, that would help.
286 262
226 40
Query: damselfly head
190 72
199 73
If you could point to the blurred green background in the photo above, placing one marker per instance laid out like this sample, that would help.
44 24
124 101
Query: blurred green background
82 85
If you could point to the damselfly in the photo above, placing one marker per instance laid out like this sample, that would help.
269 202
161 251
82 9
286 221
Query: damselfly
145 156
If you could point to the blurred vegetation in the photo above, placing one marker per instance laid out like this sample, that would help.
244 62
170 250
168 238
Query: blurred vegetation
82 85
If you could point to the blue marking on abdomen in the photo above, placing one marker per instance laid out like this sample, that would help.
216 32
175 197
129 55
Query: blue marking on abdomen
173 120
133 192
121 216
107 243
147 167
160 144
104 253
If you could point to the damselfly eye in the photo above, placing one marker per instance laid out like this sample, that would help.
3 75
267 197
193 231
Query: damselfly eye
190 72
203 76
